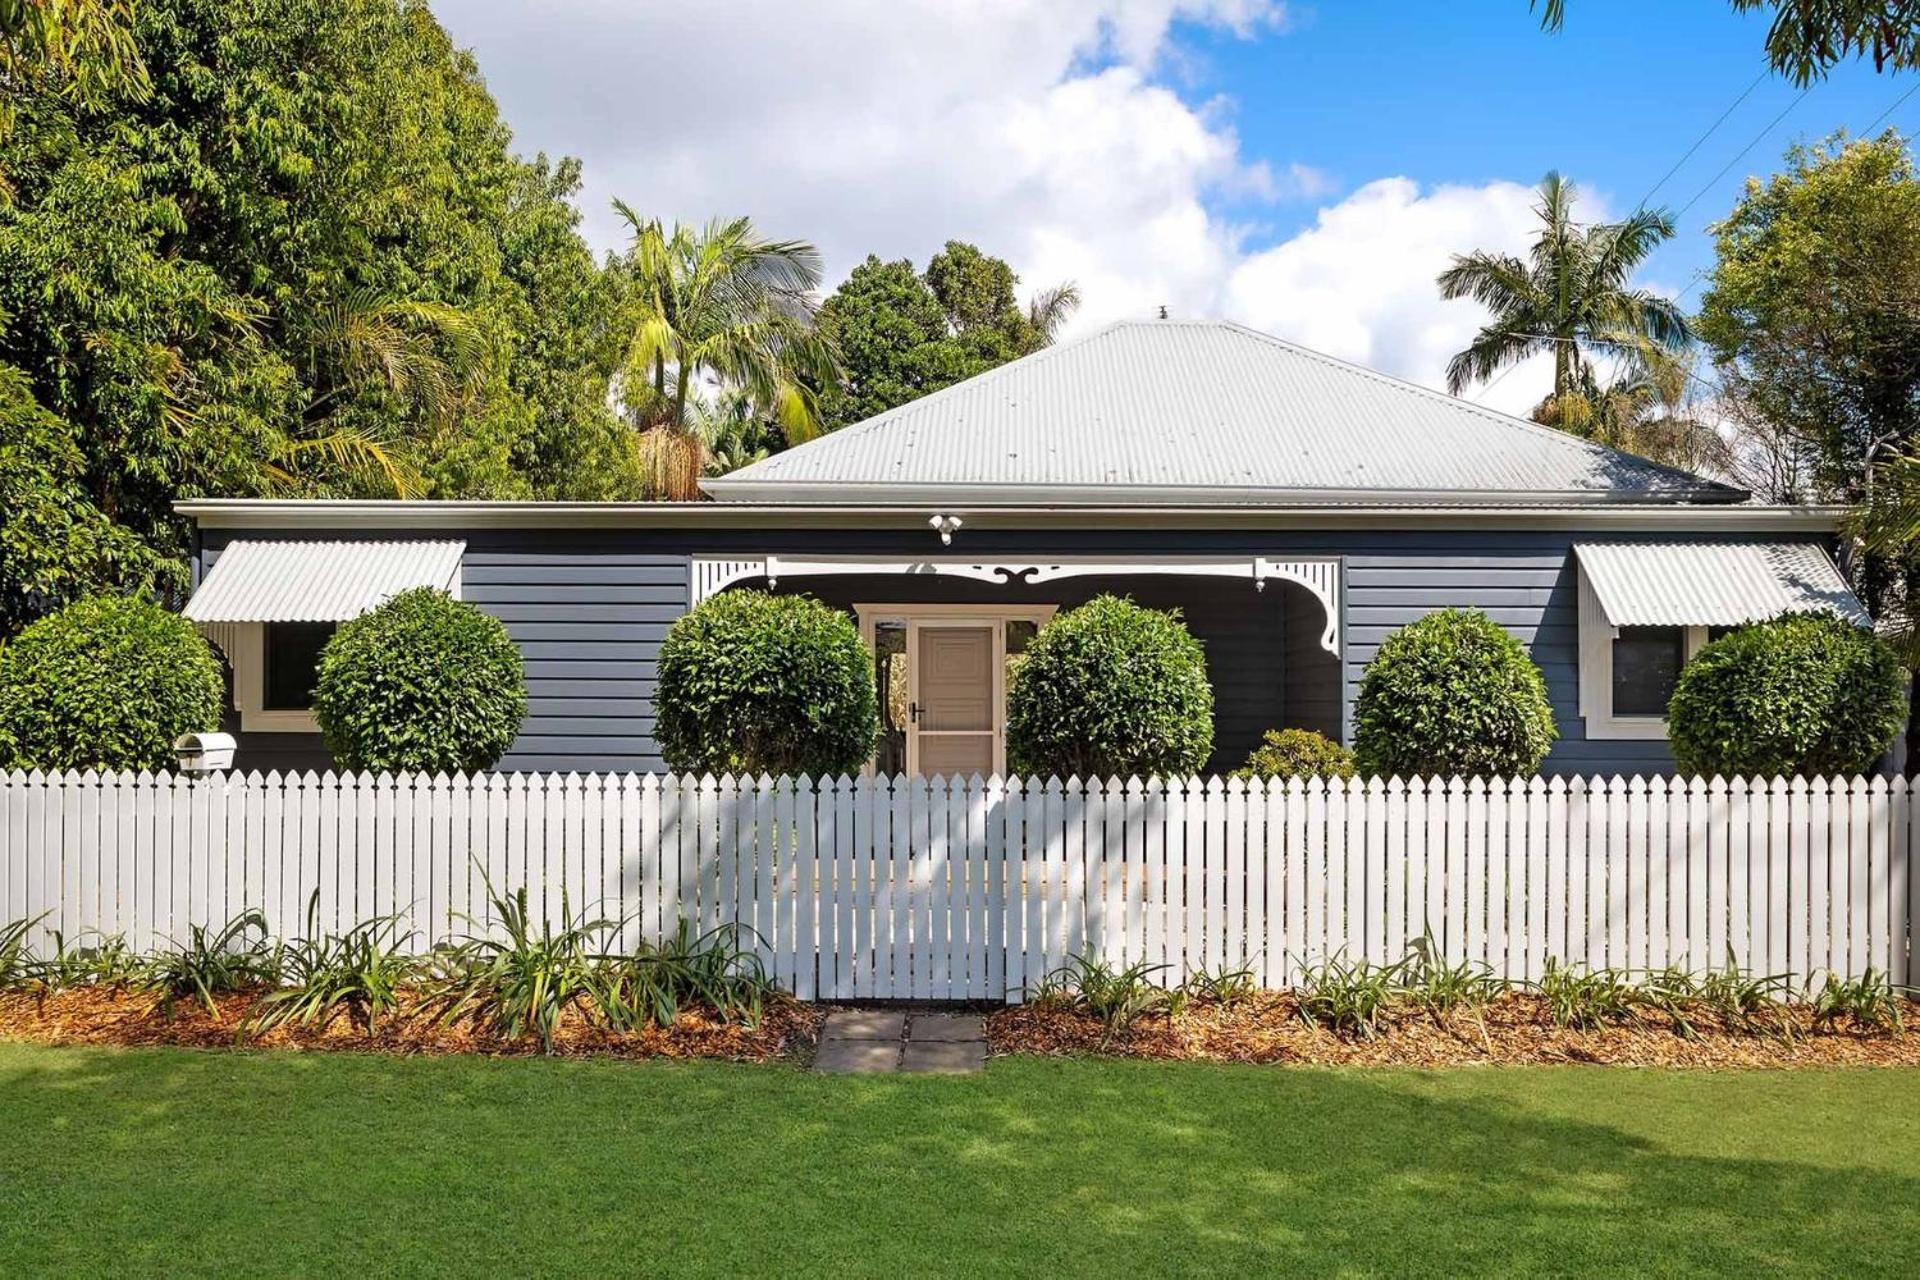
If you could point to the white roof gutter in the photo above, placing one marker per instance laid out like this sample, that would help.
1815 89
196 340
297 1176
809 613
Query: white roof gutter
348 515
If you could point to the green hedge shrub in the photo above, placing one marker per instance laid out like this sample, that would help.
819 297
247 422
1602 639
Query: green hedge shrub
1109 690
1453 694
1297 753
424 683
758 683
1806 693
106 683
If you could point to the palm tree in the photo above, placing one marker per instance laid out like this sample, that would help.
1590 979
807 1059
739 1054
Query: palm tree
418 356
1049 309
1570 296
719 307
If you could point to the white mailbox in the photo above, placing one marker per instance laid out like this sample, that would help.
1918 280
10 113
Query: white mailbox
204 752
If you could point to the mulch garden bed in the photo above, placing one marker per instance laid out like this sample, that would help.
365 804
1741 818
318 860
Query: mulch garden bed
127 1017
1513 1029
1266 1027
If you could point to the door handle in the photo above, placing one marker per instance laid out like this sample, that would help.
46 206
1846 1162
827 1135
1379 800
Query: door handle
914 711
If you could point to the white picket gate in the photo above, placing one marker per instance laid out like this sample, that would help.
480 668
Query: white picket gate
921 888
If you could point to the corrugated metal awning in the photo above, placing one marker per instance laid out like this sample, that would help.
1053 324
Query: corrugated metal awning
1712 584
255 581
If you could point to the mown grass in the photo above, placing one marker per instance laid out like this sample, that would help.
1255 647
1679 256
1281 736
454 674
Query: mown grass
189 1162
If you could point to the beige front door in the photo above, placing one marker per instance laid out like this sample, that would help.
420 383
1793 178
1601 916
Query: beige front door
955 689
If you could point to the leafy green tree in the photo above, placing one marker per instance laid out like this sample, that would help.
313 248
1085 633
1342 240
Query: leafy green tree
718 305
1812 316
1812 312
82 49
1571 296
1809 38
902 334
300 259
55 544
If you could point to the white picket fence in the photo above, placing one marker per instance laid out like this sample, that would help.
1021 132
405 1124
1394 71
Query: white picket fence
925 889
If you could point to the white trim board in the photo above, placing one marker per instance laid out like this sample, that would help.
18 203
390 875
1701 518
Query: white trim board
1320 575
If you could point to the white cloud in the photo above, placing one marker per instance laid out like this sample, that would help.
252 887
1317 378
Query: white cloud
1053 133
1359 283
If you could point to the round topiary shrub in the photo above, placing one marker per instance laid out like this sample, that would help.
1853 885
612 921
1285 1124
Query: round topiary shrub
106 683
1110 689
1297 753
758 683
424 683
1453 694
1806 693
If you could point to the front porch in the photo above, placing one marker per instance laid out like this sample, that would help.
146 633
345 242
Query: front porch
944 631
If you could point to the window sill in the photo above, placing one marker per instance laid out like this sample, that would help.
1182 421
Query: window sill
1626 728
252 721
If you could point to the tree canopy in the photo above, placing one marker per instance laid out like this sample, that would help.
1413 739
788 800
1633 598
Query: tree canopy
903 333
1809 38
1812 311
296 256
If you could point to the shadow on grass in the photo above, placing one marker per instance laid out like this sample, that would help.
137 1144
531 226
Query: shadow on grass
157 1160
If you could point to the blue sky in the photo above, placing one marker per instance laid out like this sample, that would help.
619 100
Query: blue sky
1306 171
1470 92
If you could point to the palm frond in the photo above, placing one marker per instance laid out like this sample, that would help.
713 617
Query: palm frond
356 452
1051 308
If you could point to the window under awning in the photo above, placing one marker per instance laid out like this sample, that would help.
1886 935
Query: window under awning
260 581
1712 584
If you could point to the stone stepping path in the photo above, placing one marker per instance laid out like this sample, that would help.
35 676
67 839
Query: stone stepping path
882 1042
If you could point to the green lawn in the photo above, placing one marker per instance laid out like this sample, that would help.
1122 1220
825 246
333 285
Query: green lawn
178 1162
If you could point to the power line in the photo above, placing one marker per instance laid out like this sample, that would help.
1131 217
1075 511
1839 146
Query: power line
1728 166
1899 102
1480 395
1701 140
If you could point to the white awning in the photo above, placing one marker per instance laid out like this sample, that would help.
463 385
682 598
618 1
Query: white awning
255 581
1712 584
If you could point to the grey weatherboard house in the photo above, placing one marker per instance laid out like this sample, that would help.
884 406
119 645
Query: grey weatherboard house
1297 509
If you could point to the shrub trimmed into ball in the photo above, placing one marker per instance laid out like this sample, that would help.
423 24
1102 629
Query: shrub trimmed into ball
1805 693
752 683
106 683
1452 694
1110 689
424 683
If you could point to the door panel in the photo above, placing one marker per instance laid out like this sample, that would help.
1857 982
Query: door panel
957 753
953 680
956 678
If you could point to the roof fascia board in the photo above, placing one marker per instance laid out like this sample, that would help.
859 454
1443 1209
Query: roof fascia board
341 516
808 493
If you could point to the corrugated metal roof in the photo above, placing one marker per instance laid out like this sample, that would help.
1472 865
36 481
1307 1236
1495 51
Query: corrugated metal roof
1712 584
1147 409
255 581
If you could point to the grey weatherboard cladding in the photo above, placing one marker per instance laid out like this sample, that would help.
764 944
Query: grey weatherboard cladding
589 608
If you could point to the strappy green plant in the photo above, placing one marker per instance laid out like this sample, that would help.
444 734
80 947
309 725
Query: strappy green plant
1587 999
1226 984
1117 997
1867 1003
1351 997
236 957
360 973
17 965
517 977
659 981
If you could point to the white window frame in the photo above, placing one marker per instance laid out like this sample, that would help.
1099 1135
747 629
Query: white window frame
1597 635
248 658
915 616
